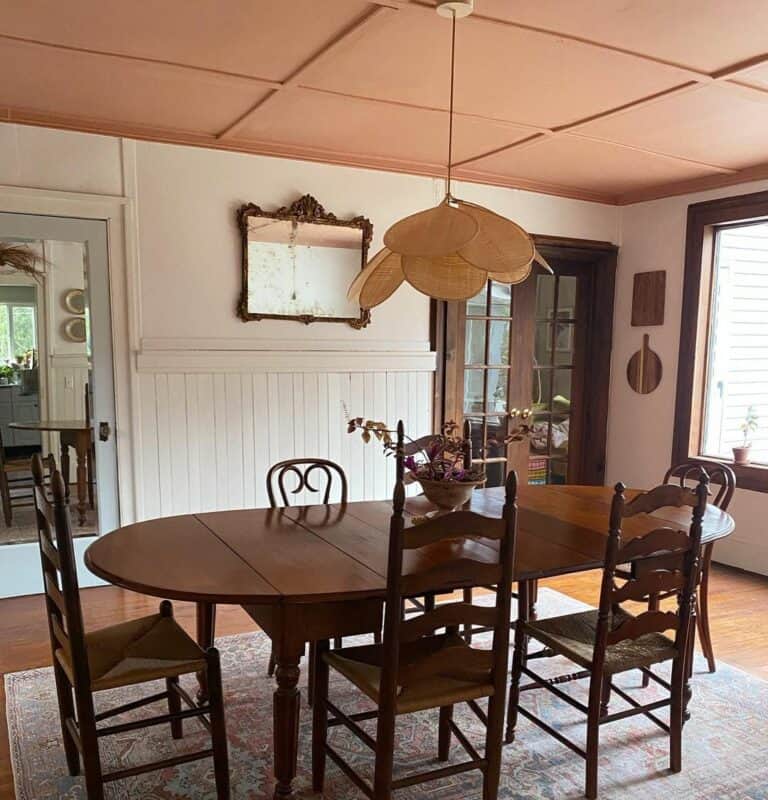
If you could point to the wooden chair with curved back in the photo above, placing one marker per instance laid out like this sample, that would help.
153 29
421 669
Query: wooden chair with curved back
130 653
725 477
610 640
416 668
301 469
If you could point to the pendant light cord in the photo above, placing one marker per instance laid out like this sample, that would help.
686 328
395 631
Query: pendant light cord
450 108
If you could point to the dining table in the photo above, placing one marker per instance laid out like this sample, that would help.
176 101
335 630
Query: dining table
309 573
75 433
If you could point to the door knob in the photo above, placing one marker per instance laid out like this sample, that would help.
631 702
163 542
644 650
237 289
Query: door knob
104 431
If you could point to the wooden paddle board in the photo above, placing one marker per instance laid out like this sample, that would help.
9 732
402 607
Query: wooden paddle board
644 369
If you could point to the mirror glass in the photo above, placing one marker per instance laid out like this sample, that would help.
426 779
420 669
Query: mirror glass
302 268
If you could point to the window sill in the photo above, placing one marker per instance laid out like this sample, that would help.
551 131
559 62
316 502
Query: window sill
748 476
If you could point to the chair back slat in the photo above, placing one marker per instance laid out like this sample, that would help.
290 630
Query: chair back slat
664 496
62 591
651 583
460 530
649 622
720 474
458 573
50 551
317 475
660 541
672 558
446 616
464 524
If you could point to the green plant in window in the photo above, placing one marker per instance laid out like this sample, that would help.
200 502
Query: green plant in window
749 425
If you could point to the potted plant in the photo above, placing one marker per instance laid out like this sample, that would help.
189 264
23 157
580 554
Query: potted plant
435 461
6 374
747 427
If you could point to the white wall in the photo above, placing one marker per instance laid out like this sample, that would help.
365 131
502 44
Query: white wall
217 399
640 426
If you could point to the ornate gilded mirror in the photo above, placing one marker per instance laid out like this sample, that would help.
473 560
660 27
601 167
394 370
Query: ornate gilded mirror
298 262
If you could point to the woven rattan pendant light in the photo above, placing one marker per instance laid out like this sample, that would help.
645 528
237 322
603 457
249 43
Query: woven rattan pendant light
450 251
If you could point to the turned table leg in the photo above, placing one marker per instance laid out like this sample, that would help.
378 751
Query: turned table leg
65 463
82 445
206 621
286 708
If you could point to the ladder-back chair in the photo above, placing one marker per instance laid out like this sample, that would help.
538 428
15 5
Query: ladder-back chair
416 668
610 640
142 650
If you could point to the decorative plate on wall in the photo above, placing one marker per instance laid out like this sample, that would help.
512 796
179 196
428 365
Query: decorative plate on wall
74 301
74 330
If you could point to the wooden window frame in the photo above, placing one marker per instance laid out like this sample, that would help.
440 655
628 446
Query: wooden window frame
703 219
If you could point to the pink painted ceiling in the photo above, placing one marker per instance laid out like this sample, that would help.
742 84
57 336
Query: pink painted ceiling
615 101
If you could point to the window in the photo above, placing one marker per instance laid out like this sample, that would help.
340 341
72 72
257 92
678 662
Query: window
18 330
723 365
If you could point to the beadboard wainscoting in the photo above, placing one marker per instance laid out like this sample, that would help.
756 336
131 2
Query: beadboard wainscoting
210 432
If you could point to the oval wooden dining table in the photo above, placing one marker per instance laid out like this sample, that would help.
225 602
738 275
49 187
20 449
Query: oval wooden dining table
316 572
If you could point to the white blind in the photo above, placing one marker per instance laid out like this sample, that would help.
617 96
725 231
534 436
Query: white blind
738 342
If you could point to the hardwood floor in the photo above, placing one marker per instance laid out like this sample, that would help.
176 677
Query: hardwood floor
735 596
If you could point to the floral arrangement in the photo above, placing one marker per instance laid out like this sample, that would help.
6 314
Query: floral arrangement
435 457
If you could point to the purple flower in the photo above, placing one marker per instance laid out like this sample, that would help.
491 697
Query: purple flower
410 463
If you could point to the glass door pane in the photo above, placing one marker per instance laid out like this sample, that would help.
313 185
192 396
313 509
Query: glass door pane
554 347
488 329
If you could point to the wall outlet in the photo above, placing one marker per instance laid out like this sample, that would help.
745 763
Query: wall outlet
69 382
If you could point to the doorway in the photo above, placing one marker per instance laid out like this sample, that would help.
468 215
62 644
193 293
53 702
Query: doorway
56 384
537 355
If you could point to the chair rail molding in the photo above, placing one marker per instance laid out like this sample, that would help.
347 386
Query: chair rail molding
197 356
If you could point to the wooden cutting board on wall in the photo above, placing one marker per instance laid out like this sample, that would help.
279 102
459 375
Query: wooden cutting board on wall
644 369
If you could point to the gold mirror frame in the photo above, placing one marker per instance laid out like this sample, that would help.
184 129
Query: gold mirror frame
305 209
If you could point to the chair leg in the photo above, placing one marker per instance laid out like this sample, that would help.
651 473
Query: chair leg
467 598
653 605
518 659
676 715
702 610
385 755
6 497
272 664
94 783
218 726
319 717
66 711
593 733
534 599
444 733
493 744
174 707
605 697
312 666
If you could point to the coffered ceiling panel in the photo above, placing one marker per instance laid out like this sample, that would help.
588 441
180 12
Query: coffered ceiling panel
365 128
263 39
565 162
623 99
713 124
706 34
502 72
94 88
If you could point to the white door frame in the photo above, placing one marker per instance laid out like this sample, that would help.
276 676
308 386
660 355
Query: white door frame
119 214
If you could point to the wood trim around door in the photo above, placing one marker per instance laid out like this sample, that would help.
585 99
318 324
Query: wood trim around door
602 256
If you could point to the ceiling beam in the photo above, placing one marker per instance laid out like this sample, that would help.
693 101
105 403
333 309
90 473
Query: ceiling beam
349 34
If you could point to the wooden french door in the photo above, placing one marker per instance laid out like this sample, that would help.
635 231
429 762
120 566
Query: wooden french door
536 354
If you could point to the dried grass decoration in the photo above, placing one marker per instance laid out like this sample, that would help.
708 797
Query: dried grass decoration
21 258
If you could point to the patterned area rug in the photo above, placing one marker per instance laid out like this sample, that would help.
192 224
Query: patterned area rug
725 742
